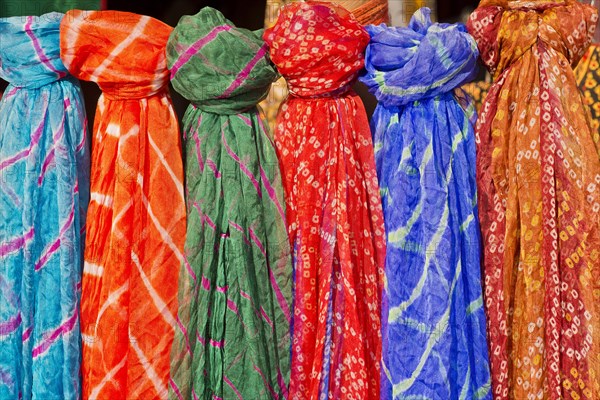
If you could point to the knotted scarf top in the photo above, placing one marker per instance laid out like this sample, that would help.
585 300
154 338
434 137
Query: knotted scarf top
218 67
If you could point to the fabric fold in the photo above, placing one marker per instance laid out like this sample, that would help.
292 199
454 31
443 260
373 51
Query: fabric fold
44 173
538 171
334 216
136 228
425 154
236 283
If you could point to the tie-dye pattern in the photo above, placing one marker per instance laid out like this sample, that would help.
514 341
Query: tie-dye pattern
136 228
236 284
434 337
44 173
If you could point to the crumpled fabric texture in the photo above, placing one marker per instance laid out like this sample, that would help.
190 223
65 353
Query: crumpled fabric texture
136 227
44 174
334 215
236 285
538 172
424 141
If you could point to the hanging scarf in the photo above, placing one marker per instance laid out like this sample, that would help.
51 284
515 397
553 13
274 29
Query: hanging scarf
235 290
136 226
425 154
538 173
44 172
333 205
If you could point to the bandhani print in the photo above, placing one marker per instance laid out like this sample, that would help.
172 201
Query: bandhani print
44 174
235 295
136 227
334 215
538 172
434 336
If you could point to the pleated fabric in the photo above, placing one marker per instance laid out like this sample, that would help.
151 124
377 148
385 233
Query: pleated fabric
136 228
433 321
538 172
44 173
333 206
236 285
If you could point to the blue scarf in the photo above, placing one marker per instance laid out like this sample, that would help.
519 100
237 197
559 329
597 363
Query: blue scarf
43 199
434 338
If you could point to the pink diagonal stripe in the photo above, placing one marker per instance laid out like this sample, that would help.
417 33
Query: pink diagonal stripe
189 268
217 343
239 228
211 164
257 241
26 334
245 72
49 159
232 306
194 48
222 289
50 339
266 317
271 192
205 283
282 386
56 245
200 339
38 49
175 389
266 383
16 243
8 327
280 298
245 119
197 142
243 167
35 138
185 334
230 384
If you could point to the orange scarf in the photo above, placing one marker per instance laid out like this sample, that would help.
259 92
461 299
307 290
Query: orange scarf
136 219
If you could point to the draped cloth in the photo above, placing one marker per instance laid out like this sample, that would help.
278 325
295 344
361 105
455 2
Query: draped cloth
587 74
236 284
425 154
44 170
538 172
333 206
136 227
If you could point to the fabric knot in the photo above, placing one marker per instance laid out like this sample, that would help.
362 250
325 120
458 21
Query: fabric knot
30 50
528 23
124 53
420 61
318 47
215 80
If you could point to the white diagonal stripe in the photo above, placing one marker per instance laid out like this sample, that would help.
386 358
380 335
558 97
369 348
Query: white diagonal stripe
102 199
107 378
113 130
112 298
163 233
161 388
158 301
92 269
163 161
135 33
